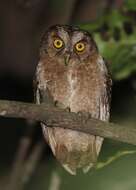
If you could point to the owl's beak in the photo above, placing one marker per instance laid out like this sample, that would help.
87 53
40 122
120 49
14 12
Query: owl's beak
66 59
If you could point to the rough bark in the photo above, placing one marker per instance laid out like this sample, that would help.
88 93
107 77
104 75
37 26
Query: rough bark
54 117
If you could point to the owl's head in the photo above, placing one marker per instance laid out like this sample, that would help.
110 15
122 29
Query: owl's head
68 42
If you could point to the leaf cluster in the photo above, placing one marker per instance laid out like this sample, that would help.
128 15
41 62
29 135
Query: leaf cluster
115 34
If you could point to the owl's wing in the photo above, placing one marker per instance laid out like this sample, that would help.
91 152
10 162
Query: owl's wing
104 102
35 86
42 95
105 99
108 92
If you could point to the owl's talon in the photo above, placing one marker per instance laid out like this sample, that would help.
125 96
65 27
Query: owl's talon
55 103
62 106
68 109
84 116
59 105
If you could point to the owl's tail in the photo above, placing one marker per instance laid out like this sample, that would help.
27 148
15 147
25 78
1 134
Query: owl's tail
79 165
74 150
73 171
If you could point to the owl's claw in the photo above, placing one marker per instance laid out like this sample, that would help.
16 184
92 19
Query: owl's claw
59 105
68 109
84 116
62 106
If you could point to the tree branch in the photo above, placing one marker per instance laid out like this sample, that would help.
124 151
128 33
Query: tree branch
55 117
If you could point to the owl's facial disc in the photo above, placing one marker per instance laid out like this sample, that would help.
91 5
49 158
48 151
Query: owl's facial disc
60 45
69 44
81 45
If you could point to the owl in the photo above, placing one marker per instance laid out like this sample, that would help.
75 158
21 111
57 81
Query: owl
76 76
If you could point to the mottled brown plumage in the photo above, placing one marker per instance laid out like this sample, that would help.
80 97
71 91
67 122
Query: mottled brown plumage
72 70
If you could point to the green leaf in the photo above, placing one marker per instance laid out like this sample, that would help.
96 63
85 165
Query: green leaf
130 5
122 56
115 19
121 53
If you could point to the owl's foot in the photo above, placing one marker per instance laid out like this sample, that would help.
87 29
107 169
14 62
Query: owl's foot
62 106
84 116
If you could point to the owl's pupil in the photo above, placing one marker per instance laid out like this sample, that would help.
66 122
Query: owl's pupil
58 43
80 46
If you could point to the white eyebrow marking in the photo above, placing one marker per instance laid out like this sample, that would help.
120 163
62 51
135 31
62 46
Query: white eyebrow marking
63 35
77 36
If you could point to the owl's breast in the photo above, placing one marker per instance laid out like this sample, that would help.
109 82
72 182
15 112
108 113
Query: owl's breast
77 87
74 89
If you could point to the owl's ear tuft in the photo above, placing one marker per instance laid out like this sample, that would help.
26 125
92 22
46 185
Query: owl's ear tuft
43 44
42 52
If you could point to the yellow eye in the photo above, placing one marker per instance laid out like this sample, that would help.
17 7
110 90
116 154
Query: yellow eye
58 43
80 46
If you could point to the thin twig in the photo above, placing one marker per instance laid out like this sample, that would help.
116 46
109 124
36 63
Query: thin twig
16 172
55 181
31 162
18 164
112 158
54 117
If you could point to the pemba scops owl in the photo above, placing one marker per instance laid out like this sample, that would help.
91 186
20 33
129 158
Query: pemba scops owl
72 70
